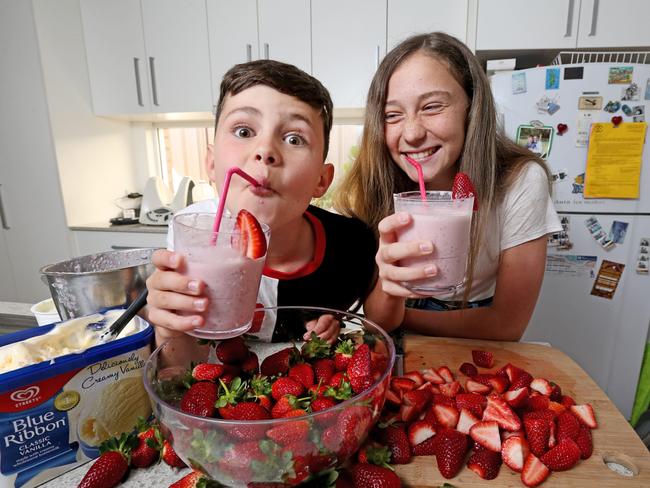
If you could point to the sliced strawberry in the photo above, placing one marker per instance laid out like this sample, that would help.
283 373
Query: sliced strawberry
397 441
537 433
517 398
393 398
498 410
446 415
485 463
499 383
542 386
567 401
473 402
432 376
585 442
585 414
401 384
416 377
534 472
514 451
556 407
487 435
421 430
562 457
523 379
483 359
252 241
426 448
476 387
464 188
445 373
466 420
450 389
451 447
538 402
468 369
568 426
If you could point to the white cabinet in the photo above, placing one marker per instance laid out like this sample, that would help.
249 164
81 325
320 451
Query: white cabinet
258 29
348 42
409 17
7 283
517 24
92 241
614 23
147 57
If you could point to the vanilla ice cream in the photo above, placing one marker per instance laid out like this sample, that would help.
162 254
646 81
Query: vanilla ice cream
71 336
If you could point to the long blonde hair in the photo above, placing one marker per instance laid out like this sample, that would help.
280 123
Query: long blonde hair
489 158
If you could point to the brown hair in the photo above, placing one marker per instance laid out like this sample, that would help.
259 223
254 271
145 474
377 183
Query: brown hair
489 158
286 79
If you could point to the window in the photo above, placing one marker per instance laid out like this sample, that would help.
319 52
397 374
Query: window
183 149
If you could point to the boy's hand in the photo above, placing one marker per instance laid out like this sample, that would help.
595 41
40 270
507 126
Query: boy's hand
171 292
326 327
390 252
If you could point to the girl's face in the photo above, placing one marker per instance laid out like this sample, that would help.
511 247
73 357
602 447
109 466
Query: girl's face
425 115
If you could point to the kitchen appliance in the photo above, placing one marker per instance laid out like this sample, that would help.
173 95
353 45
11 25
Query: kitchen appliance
89 284
158 205
607 334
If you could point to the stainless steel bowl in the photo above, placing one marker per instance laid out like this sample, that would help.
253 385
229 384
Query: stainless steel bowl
88 284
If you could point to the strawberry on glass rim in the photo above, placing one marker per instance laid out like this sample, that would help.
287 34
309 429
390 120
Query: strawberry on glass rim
464 188
252 242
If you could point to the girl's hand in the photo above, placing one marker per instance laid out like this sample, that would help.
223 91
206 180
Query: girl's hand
171 292
326 327
390 252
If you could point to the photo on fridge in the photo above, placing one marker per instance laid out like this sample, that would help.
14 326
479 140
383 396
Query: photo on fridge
536 139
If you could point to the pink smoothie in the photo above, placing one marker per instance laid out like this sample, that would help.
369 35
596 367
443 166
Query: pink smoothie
449 230
232 282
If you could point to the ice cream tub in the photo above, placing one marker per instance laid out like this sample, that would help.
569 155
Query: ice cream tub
56 411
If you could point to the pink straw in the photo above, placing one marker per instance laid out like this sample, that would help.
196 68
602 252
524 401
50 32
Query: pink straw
418 167
222 198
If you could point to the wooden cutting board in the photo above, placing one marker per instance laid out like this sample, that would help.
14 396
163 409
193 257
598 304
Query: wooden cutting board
614 439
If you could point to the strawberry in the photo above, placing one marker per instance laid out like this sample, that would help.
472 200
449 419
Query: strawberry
485 463
498 410
450 389
473 386
401 384
393 398
237 461
514 451
567 401
324 370
232 351
361 383
556 392
464 188
562 457
416 377
534 471
445 373
446 415
466 420
322 403
538 402
351 427
252 241
170 457
440 399
194 479
568 426
303 373
542 386
279 362
451 447
251 364
585 442
286 404
517 398
285 434
537 433
207 371
487 435
374 453
556 407
468 369
360 362
147 450
397 441
343 354
523 379
286 386
316 348
432 376
229 396
200 399
113 463
585 414
368 475
483 359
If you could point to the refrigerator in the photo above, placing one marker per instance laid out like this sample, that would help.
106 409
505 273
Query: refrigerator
594 303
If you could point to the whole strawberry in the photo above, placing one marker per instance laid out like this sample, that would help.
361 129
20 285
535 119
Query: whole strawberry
195 479
343 354
451 447
565 455
370 475
207 371
232 351
170 457
279 362
200 399
397 441
112 464
147 450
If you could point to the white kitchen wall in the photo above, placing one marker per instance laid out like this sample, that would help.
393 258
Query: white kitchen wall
99 159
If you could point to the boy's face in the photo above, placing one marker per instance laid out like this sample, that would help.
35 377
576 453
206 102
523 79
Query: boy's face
278 140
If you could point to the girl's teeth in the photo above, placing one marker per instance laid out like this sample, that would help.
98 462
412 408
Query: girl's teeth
420 155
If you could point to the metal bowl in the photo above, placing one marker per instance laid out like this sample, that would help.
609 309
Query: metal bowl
89 284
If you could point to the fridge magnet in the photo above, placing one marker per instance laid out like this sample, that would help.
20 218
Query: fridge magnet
536 139
578 185
571 266
547 105
518 83
638 113
560 240
590 103
630 93
607 280
620 75
647 89
617 232
560 175
552 78
616 120
562 128
626 110
612 106
573 73
597 232
583 125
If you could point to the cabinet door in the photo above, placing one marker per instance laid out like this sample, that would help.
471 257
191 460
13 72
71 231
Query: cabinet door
178 61
409 17
284 31
91 242
614 23
232 30
117 63
7 283
349 40
513 24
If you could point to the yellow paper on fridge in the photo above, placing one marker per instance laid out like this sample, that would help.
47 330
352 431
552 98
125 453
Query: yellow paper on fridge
614 160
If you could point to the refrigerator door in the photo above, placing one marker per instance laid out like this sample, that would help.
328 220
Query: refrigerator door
567 161
605 336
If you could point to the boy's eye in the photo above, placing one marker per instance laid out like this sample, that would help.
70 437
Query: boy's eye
243 132
294 140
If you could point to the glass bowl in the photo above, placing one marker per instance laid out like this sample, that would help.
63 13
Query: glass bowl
241 453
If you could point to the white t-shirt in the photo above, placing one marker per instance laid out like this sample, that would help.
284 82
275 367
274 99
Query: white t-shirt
525 213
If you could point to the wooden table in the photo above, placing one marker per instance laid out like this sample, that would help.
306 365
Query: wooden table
614 439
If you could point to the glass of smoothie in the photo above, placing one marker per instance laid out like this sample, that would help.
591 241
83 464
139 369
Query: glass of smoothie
231 277
446 222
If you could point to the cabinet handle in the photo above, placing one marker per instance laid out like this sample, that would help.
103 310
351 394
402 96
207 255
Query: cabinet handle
154 89
3 218
249 53
569 20
138 87
594 18
266 50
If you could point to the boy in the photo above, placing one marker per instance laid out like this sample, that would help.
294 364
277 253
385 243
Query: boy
273 120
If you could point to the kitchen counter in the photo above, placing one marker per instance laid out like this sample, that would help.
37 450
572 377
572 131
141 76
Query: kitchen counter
15 316
614 439
107 227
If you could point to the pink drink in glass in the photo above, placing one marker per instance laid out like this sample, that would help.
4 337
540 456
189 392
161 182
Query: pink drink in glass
232 280
445 222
